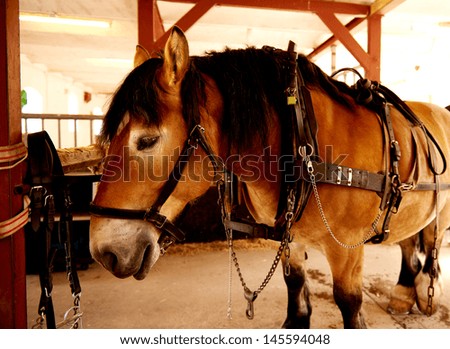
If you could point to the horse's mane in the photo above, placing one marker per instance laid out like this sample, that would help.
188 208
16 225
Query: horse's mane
252 83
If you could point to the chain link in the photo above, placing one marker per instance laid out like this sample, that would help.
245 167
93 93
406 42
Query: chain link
369 234
434 255
39 322
249 295
270 273
230 272
433 275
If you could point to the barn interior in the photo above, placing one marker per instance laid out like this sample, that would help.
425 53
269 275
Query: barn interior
72 57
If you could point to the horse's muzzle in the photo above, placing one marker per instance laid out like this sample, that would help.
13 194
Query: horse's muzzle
124 247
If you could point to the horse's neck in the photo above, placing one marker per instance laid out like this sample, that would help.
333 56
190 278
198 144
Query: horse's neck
256 167
261 200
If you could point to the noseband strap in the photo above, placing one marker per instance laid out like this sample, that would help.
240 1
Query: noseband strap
169 232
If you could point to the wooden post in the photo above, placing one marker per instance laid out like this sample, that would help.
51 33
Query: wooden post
151 33
12 248
374 47
150 26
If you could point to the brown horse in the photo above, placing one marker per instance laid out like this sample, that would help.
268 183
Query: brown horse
238 98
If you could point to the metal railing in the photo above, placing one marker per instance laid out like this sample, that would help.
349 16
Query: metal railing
65 130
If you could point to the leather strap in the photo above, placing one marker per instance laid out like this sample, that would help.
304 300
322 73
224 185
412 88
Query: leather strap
170 233
301 133
254 230
348 177
46 255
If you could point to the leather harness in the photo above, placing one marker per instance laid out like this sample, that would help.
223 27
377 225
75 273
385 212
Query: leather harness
302 131
47 181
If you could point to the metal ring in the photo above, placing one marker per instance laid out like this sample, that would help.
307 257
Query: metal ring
302 150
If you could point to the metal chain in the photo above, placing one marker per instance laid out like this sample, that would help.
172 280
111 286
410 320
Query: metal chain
39 322
369 234
433 274
230 272
251 295
75 321
270 273
434 254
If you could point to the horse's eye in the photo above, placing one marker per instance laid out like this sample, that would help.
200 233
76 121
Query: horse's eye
146 142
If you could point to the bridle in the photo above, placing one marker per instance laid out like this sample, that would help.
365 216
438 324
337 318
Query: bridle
170 233
293 196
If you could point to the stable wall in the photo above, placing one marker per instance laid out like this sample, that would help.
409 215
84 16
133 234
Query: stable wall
54 93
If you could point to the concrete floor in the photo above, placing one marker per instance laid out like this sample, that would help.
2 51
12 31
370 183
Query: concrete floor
188 288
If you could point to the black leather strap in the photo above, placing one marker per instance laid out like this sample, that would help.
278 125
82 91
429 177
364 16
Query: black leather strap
254 230
43 167
348 177
170 233
46 254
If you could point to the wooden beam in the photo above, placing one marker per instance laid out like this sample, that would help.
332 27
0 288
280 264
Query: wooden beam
13 311
187 21
158 27
294 5
374 47
326 44
150 26
326 10
381 7
345 37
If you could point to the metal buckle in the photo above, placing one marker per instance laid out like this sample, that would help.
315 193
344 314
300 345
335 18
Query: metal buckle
165 243
155 217
349 177
339 175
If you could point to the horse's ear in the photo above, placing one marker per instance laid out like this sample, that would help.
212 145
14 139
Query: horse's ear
140 56
176 58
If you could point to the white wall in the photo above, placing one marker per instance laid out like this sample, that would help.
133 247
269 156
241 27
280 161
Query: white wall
54 93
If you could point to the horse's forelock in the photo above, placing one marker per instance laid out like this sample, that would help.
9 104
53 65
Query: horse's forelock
136 97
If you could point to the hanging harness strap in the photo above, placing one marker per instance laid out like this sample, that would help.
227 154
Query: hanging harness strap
300 128
45 204
66 238
46 178
43 166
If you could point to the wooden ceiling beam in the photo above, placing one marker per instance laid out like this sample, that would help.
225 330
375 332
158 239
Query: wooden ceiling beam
151 33
150 24
327 43
344 36
153 37
373 71
381 7
294 5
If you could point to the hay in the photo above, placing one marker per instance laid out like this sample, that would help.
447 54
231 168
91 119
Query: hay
187 249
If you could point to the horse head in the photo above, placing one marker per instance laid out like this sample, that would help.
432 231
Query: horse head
146 131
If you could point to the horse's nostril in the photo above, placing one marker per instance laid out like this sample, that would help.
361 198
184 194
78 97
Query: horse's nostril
110 261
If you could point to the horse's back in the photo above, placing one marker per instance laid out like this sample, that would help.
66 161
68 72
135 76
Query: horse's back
357 135
435 118
437 122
